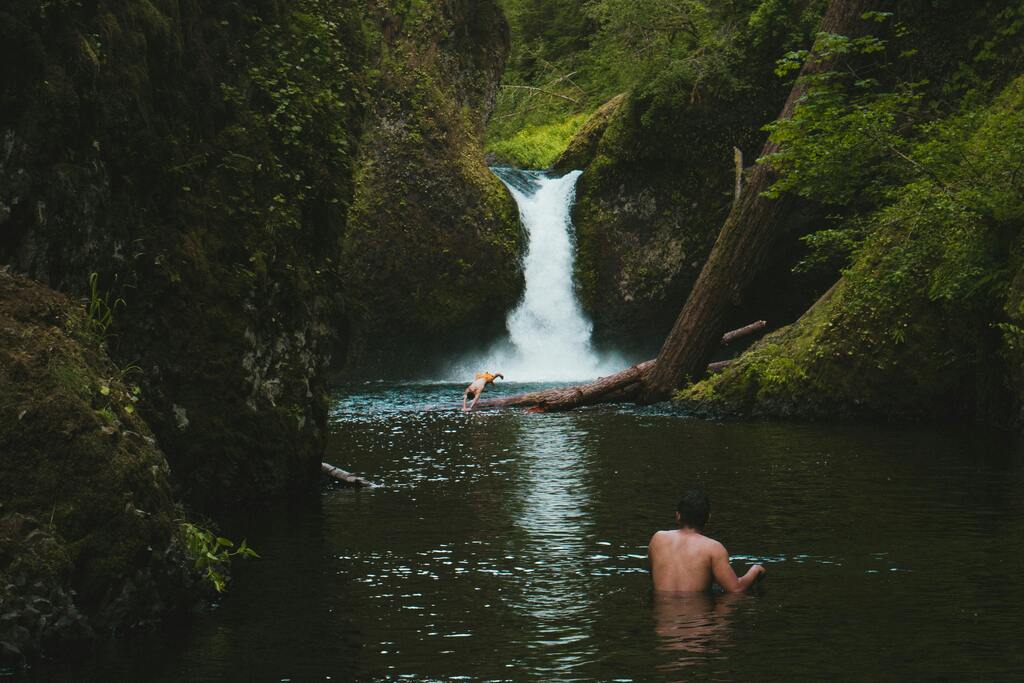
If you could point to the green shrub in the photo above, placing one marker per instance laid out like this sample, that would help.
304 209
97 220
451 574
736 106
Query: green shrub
213 554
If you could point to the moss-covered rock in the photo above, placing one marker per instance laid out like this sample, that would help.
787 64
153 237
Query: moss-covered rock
660 176
649 205
201 159
899 359
432 250
582 148
89 537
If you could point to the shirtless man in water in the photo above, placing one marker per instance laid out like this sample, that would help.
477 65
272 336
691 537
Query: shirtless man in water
474 390
685 561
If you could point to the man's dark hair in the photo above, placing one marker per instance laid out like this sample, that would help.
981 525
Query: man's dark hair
694 508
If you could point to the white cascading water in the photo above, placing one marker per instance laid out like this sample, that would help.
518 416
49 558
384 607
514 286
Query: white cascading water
548 335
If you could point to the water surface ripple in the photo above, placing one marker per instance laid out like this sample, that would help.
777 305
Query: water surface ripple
511 546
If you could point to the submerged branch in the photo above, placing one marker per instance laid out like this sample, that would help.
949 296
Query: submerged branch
345 477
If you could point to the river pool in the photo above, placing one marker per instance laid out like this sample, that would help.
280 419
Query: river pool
512 546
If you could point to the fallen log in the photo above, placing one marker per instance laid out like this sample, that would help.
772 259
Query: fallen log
744 331
626 385
719 366
562 398
345 477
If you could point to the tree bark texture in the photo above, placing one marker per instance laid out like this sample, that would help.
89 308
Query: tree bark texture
744 244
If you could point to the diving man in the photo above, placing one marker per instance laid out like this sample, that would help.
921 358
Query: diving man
476 388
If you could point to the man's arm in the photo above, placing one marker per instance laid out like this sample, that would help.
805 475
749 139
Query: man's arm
726 577
654 554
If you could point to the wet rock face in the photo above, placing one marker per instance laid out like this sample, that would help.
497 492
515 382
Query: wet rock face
431 253
36 606
655 191
88 531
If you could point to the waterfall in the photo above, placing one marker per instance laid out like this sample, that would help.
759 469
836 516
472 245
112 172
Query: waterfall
548 334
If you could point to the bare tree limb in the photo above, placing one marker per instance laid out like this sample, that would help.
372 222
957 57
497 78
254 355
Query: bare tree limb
542 90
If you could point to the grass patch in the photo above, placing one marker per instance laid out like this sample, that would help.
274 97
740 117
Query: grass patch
537 146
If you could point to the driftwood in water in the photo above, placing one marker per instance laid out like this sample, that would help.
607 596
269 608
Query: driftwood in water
343 476
626 385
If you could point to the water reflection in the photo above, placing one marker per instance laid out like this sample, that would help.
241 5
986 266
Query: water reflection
692 624
554 500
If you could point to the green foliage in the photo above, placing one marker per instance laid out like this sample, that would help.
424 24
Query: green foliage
296 105
612 46
845 137
100 309
918 323
882 150
212 554
537 146
947 230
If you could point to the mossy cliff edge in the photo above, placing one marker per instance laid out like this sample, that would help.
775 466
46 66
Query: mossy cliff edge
89 535
198 157
433 246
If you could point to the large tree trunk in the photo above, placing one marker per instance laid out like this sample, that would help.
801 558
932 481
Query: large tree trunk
743 246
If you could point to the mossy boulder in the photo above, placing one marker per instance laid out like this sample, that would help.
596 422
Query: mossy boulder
583 145
432 250
899 360
89 534
651 201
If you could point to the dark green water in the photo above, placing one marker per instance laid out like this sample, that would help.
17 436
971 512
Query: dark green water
512 546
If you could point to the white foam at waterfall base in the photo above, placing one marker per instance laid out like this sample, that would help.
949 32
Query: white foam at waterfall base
548 334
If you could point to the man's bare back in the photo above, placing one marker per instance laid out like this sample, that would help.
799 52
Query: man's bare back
686 561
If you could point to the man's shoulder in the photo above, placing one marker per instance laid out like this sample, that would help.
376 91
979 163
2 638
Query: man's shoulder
712 546
663 536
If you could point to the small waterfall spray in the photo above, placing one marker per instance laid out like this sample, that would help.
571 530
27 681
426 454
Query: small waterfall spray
548 334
